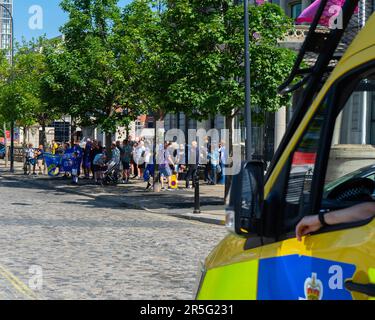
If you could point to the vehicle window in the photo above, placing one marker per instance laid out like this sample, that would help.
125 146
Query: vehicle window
350 174
351 165
303 160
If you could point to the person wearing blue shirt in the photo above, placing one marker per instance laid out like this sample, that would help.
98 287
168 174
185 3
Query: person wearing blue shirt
77 148
215 163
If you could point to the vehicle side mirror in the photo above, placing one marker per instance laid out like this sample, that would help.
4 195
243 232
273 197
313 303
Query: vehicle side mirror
246 199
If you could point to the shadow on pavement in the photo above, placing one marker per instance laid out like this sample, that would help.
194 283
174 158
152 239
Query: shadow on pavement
130 196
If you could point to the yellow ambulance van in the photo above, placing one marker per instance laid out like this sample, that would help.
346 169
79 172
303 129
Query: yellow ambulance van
261 258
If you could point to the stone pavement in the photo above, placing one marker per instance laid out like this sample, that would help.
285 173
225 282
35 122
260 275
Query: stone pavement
63 245
178 203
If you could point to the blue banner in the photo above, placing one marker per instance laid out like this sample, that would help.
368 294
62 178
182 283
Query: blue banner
58 163
53 163
67 162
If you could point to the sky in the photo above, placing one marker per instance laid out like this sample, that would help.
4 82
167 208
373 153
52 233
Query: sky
34 18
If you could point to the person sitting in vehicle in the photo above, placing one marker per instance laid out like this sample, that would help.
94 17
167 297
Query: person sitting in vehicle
358 212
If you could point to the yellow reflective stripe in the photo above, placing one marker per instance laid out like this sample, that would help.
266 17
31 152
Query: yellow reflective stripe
371 275
238 281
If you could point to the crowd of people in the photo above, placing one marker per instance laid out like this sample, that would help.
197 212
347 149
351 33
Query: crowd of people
134 159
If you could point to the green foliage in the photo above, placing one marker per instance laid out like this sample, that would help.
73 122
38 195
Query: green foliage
164 56
138 47
86 78
202 57
20 88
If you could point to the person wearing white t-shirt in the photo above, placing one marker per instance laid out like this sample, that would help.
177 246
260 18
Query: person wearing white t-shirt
139 154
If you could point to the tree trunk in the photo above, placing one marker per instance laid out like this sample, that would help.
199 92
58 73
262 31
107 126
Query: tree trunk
186 141
127 131
25 133
108 143
24 144
12 146
43 138
157 186
228 178
157 117
73 132
6 145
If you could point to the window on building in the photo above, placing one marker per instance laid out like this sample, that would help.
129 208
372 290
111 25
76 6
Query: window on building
358 117
295 10
139 126
5 41
62 131
6 27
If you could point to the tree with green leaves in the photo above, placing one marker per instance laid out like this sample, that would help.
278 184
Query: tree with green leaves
86 78
137 46
201 69
140 48
21 92
4 76
203 56
4 81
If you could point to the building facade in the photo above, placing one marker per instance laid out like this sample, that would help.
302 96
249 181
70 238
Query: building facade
6 27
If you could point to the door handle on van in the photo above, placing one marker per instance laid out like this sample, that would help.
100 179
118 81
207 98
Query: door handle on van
367 289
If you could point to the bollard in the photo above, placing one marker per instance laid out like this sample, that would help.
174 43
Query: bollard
197 205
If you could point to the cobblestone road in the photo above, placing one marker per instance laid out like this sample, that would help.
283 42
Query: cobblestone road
89 249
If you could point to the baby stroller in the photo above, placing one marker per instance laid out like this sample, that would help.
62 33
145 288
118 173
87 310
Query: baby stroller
111 175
